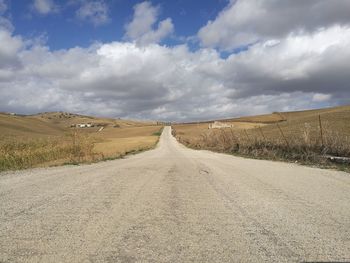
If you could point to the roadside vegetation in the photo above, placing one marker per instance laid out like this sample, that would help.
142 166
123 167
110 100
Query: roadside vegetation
48 140
73 148
316 138
158 133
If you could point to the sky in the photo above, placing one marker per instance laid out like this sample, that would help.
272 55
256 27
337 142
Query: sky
173 60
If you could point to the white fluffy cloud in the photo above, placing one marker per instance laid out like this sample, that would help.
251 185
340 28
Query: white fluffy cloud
94 11
143 79
141 30
156 82
306 63
244 22
45 7
9 48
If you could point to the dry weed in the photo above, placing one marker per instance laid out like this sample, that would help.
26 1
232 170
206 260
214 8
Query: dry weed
305 145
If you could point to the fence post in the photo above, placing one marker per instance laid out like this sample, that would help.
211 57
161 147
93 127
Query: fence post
284 137
321 129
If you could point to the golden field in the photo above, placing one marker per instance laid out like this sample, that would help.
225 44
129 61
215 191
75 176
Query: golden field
306 136
49 139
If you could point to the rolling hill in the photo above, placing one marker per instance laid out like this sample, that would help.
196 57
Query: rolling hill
276 117
54 138
307 136
55 124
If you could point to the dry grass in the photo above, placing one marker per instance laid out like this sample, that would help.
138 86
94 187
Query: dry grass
266 118
118 142
33 152
55 124
47 139
297 138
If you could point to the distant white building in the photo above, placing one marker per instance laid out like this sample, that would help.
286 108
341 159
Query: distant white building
84 125
220 125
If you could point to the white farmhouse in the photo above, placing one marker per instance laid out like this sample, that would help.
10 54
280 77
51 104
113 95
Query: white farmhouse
84 125
219 125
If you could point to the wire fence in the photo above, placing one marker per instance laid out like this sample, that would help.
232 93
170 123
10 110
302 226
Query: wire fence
309 141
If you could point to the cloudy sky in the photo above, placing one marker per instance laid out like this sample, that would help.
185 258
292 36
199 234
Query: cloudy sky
180 60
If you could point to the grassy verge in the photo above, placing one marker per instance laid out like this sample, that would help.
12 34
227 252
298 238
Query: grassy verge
303 147
73 148
158 133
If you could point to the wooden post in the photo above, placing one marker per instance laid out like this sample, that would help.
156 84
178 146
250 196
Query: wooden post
284 137
321 130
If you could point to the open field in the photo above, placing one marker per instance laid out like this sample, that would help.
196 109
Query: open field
118 142
303 136
54 123
48 139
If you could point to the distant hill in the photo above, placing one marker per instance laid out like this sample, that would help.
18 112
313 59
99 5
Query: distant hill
335 123
54 123
276 117
335 119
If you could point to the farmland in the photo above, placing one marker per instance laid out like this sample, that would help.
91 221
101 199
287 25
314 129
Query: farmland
50 139
302 136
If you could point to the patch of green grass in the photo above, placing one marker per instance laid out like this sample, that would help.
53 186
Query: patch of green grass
158 133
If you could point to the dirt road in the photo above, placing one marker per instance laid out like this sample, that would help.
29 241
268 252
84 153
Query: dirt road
173 204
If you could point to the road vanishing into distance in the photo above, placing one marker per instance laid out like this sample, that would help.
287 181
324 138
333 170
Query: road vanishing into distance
173 204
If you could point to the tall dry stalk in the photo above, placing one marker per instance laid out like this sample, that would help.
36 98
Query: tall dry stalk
321 130
307 134
283 136
301 143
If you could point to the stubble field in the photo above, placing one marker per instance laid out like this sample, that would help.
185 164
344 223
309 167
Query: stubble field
49 139
309 137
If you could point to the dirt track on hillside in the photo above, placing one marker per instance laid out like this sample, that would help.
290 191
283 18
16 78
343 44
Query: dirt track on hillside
173 204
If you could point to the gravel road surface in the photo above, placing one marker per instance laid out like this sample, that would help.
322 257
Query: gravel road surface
173 204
